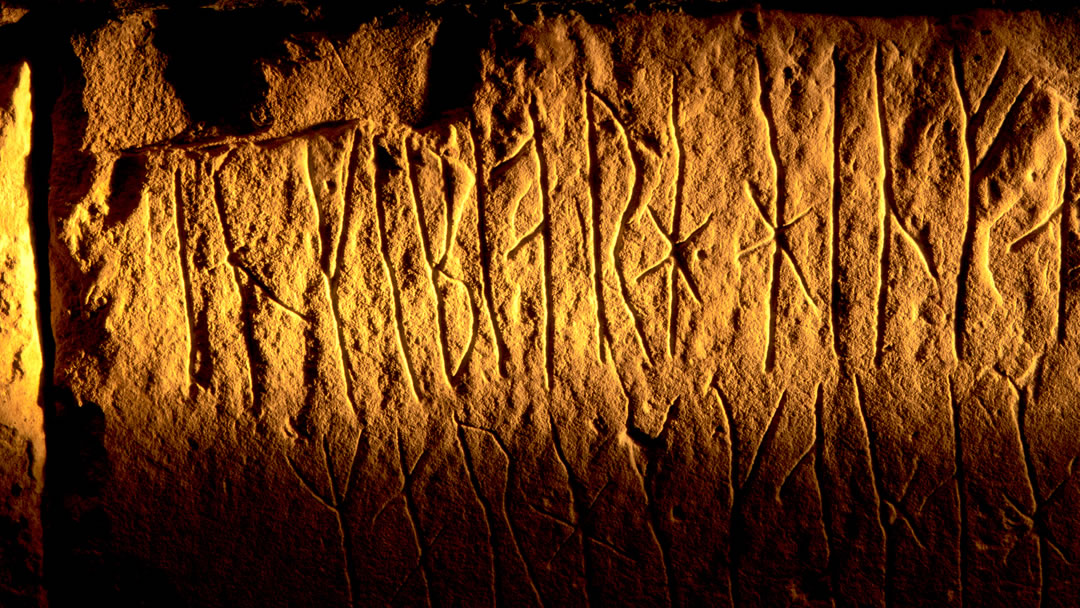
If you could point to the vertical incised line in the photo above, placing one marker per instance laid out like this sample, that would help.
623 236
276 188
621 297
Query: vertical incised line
676 212
545 242
1066 227
884 244
633 202
244 289
776 209
592 169
971 113
348 196
968 248
501 355
429 261
180 220
836 198
323 253
388 268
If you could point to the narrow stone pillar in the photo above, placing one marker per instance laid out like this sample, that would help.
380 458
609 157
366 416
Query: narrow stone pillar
22 432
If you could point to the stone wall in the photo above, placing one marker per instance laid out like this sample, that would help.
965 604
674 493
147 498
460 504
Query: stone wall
541 305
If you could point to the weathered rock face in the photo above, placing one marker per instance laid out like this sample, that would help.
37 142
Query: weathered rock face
752 309
22 436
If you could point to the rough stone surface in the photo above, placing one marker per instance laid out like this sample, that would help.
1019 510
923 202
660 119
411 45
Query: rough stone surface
22 433
749 308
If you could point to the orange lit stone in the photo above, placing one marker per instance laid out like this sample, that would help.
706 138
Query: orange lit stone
756 308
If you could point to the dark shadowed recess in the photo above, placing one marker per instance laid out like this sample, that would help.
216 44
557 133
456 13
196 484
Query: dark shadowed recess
76 464
454 70
215 57
213 60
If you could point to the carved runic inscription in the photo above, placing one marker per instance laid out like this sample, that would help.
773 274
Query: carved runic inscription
1011 109
430 180
426 192
438 188
757 308
677 245
537 231
438 249
774 216
888 214
599 113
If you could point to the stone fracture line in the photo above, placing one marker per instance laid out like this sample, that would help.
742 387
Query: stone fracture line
891 512
728 429
335 503
1034 515
961 488
407 479
485 506
490 508
578 526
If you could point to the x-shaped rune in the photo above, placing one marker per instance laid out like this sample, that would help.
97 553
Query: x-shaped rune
778 239
676 254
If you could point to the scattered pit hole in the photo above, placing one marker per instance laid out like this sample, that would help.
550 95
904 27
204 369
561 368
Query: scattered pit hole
600 425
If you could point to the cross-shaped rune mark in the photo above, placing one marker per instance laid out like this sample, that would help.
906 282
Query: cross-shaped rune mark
780 247
676 254
676 248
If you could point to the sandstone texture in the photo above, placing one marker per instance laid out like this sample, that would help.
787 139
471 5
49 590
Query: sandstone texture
546 306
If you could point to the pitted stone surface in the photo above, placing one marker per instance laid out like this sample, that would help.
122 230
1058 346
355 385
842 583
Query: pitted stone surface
751 309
